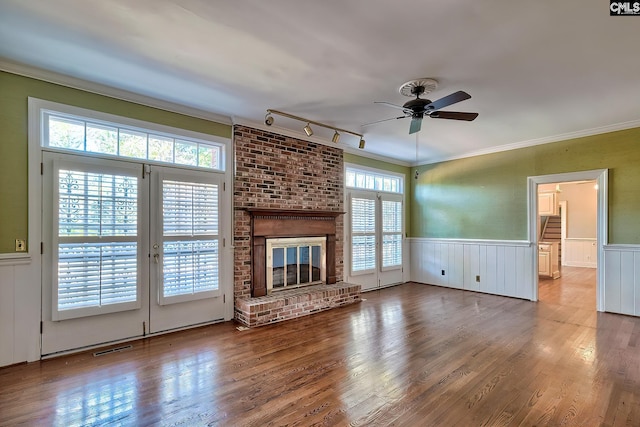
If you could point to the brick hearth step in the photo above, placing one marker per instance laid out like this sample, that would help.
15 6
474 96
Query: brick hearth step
290 304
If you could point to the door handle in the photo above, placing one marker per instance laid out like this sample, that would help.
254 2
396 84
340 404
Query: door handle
156 257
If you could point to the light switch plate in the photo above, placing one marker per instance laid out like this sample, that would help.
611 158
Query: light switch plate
21 245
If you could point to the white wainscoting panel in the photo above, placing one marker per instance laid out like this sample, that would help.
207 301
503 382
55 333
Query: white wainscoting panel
580 253
19 310
7 301
622 279
504 267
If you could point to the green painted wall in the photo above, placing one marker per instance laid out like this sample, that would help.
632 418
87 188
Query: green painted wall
391 167
485 197
14 91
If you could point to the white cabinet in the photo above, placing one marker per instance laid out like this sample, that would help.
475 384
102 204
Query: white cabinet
548 263
544 265
548 203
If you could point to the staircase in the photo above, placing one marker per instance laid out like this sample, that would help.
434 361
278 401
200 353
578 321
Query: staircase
552 232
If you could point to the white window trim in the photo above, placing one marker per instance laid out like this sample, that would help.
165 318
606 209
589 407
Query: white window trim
381 172
402 195
37 107
35 229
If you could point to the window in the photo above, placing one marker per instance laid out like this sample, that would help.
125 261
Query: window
363 234
190 261
369 180
391 233
374 244
76 133
96 234
120 197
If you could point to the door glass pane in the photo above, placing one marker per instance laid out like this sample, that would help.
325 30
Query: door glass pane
190 219
304 264
190 267
363 230
292 266
391 216
278 267
363 253
93 269
391 250
363 215
315 263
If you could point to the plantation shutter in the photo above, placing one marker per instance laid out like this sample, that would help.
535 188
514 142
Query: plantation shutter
190 234
391 233
363 234
96 240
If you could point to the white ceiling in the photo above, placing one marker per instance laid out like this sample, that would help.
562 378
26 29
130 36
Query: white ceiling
537 71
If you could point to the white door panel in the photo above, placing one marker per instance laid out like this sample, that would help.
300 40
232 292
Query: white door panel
375 223
78 289
185 284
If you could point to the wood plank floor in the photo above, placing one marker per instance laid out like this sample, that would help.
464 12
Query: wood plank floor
411 355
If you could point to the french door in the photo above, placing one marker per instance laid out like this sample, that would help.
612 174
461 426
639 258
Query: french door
375 243
128 249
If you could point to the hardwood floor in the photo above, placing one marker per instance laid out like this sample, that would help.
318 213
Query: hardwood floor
411 355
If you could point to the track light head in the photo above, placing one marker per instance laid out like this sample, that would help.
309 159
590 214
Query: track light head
361 145
268 119
308 130
336 137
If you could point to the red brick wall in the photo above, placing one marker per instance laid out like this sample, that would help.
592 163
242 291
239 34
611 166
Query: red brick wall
281 172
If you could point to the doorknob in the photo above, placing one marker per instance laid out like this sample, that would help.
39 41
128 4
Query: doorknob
155 257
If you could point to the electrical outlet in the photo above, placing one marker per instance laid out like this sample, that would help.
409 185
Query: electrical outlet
478 279
21 245
442 272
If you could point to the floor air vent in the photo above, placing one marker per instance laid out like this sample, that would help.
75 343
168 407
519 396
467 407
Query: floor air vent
112 350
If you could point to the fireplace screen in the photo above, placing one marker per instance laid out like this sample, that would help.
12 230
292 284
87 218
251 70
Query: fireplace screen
294 262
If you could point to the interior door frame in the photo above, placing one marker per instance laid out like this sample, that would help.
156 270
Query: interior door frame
563 230
601 176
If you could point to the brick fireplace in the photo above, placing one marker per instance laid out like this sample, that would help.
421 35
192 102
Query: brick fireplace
287 176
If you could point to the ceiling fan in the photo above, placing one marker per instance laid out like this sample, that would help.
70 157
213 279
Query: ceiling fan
418 108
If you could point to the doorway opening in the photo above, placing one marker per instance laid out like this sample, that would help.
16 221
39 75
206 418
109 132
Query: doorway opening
572 255
567 243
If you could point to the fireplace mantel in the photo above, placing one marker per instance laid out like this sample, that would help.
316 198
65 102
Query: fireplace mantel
271 223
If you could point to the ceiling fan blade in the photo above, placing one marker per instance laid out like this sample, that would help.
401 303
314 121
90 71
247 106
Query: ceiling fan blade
447 100
399 107
385 120
416 124
454 115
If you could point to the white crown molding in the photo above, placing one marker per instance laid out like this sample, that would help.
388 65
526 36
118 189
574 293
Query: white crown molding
302 136
539 141
99 89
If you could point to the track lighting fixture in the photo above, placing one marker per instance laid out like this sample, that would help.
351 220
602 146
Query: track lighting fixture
336 137
308 130
268 120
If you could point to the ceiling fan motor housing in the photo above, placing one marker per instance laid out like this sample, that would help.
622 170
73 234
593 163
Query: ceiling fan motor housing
417 105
